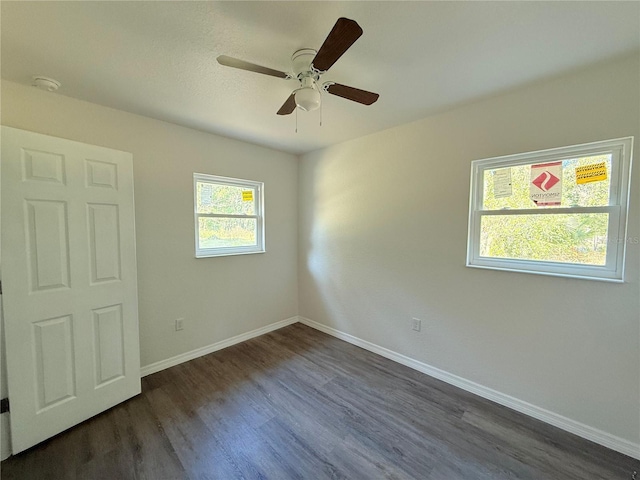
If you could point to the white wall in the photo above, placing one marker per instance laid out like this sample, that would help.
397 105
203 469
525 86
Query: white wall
383 226
218 297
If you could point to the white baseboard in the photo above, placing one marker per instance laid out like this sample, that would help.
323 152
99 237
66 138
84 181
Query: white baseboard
585 431
5 440
199 352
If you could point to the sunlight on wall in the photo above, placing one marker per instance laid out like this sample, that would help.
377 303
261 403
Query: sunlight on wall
382 239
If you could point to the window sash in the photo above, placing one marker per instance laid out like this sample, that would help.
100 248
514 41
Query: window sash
542 265
612 147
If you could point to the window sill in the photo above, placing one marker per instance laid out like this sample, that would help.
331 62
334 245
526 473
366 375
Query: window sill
227 254
549 274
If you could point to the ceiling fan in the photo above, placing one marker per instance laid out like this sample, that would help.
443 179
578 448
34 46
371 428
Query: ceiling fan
308 66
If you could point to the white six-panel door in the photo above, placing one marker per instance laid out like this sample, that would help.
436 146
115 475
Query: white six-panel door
69 282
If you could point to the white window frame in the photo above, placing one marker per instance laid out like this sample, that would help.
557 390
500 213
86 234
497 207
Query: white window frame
621 153
259 215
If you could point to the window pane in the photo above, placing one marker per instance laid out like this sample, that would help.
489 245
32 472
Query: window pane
584 195
227 232
225 199
570 238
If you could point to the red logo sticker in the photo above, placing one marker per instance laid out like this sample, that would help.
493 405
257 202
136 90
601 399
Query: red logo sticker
545 181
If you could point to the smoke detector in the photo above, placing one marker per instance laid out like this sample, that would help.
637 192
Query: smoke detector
45 83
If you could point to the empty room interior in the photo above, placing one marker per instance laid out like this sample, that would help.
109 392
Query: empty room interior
359 240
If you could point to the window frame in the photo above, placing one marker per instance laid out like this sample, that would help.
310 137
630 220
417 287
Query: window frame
258 187
621 151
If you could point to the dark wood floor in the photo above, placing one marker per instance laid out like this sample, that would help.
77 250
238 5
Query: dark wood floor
297 403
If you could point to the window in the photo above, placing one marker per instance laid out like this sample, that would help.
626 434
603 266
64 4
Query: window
229 216
556 212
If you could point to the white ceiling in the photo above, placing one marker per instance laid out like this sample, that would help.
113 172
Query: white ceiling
158 58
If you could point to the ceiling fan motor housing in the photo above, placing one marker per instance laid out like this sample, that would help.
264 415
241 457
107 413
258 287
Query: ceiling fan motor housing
301 61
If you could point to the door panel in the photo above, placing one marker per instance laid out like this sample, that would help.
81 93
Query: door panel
108 344
104 235
69 281
43 166
47 244
102 174
55 361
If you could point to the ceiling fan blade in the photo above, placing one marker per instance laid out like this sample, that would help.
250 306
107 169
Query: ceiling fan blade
252 67
354 94
289 106
343 34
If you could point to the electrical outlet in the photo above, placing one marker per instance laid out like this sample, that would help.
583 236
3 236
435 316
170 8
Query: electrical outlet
179 324
417 324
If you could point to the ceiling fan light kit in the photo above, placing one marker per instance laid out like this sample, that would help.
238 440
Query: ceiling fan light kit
307 97
307 68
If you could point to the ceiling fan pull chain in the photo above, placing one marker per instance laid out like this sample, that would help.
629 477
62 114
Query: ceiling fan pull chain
321 114
296 119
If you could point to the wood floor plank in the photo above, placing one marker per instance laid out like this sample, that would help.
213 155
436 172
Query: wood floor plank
190 437
299 404
359 462
114 464
142 435
252 455
309 461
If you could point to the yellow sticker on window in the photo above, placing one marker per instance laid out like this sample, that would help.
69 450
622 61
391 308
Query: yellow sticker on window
247 196
595 172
